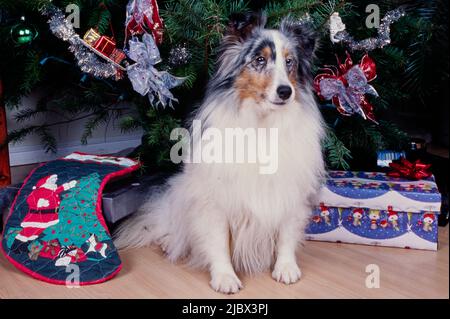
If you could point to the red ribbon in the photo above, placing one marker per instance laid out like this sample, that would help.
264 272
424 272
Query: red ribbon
154 23
413 171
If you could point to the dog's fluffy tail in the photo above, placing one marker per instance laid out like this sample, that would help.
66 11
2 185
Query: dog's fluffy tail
146 226
160 221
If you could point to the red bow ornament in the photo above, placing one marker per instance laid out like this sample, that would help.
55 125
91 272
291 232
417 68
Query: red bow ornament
347 85
412 171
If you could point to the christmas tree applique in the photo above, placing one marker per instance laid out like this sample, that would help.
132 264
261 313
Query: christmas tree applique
78 224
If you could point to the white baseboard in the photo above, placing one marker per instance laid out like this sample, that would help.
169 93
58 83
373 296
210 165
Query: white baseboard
23 155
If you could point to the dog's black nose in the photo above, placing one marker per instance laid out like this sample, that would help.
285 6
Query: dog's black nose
284 92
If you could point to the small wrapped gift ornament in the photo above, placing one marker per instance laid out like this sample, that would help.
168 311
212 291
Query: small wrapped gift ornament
373 208
105 45
91 36
117 56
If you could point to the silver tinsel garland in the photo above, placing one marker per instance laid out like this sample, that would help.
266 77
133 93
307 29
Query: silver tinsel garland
88 61
370 44
145 78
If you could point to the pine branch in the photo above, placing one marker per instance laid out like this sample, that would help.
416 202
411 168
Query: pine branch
336 153
92 124
393 137
47 139
100 18
130 123
31 71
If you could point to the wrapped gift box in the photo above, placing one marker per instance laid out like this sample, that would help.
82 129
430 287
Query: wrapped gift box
374 209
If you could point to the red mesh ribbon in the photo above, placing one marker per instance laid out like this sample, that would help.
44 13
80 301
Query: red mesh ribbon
414 171
346 85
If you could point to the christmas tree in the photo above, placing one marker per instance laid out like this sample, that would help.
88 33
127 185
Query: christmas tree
77 215
411 70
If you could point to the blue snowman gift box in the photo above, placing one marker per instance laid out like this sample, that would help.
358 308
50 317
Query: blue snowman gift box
375 209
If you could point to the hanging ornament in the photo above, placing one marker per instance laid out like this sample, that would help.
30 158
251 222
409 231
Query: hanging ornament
347 85
87 60
142 16
23 32
144 77
336 25
339 34
179 55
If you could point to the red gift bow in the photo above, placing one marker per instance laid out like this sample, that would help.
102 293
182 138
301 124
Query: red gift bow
368 67
406 169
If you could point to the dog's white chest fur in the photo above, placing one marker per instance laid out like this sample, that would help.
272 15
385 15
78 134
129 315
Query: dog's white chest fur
241 187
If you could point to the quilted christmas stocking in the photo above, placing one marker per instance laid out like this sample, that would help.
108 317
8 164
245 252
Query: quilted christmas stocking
56 220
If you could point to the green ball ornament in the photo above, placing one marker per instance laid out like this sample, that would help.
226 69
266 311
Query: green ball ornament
23 33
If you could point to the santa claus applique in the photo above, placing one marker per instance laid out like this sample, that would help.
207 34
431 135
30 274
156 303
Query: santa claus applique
43 203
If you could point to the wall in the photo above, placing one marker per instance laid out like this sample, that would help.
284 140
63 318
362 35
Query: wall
106 139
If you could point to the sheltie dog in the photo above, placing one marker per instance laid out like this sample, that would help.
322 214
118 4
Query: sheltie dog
228 217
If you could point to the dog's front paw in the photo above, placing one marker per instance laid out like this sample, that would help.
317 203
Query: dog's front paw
287 272
227 283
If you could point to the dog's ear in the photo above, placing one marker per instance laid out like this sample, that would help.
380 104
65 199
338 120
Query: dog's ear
304 35
241 25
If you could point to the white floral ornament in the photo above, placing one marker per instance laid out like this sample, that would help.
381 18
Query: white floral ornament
336 25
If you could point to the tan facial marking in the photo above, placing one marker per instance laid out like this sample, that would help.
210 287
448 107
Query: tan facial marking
253 85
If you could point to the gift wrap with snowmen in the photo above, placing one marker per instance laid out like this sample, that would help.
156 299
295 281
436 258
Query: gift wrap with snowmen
374 209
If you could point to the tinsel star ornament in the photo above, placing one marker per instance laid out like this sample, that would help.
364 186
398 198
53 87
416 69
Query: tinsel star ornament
179 55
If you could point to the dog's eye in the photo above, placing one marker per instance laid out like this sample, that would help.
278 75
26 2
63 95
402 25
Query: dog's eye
289 62
261 60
